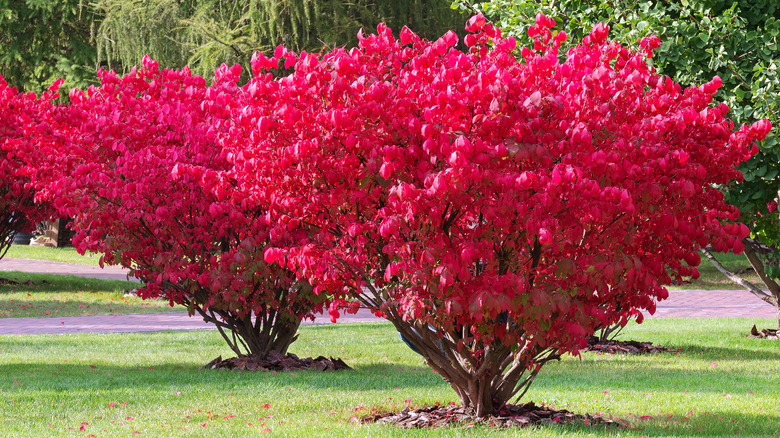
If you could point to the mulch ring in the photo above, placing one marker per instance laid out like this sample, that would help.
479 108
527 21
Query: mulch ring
278 362
630 347
527 414
765 333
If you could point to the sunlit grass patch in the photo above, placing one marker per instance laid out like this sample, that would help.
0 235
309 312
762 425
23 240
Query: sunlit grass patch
66 254
38 295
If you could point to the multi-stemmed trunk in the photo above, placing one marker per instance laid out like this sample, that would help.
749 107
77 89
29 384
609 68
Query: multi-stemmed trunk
11 222
270 329
485 377
256 336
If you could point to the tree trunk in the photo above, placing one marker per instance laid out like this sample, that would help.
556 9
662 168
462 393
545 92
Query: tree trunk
258 336
751 253
484 377
778 320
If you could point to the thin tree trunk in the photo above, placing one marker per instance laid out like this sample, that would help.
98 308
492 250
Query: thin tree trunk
773 297
750 287
778 320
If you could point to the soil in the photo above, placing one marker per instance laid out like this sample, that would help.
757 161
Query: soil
527 414
765 333
278 362
630 347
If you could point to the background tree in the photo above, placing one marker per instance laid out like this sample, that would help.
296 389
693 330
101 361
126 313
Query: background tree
495 211
206 33
43 40
736 40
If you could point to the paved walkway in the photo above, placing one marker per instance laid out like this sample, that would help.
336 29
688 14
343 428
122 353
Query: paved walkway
681 303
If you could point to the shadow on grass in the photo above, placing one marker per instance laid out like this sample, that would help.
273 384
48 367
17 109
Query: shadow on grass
35 380
764 351
715 353
716 424
32 377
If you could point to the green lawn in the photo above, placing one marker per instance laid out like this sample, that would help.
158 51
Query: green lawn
67 295
66 254
721 384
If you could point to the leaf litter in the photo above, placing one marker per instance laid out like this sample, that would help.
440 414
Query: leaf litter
522 415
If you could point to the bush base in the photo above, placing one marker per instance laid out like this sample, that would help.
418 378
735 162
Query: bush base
527 414
277 362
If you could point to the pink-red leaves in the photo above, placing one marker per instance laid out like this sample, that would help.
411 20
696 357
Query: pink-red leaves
139 163
23 119
458 183
530 200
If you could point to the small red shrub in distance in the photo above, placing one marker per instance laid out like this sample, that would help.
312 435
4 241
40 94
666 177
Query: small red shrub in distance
495 210
129 161
19 212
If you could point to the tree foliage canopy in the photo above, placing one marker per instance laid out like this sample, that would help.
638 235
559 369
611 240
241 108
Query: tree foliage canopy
43 40
496 211
128 160
206 33
20 113
46 39
739 41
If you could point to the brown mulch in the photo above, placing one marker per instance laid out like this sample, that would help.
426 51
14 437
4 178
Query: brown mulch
278 362
765 333
527 414
630 347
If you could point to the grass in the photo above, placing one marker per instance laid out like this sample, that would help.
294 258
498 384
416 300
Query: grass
66 254
720 384
67 295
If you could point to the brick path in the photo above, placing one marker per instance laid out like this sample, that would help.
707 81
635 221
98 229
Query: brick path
681 303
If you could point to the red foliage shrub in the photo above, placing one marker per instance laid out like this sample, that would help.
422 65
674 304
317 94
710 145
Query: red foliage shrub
495 210
129 161
18 210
